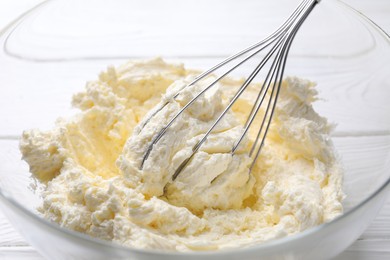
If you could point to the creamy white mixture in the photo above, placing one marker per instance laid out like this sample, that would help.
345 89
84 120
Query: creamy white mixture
90 163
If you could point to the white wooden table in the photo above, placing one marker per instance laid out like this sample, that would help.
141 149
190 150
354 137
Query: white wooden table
372 245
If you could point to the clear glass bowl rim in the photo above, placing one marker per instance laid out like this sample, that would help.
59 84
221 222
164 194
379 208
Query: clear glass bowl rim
8 199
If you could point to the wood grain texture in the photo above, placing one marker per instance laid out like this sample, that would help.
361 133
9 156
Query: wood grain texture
374 244
19 253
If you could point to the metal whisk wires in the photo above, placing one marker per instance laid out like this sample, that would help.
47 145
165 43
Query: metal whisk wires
279 44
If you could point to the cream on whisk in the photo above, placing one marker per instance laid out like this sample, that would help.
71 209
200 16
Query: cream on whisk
90 164
213 178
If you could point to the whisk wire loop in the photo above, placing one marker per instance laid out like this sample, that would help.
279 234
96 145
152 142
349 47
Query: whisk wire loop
279 43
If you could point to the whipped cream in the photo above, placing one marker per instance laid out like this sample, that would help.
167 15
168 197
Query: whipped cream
213 178
90 163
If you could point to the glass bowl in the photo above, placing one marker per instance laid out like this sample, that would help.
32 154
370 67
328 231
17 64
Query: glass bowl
49 53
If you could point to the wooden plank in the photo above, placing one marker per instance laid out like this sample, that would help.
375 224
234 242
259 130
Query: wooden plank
8 235
380 227
36 100
373 244
367 254
365 160
31 84
19 253
152 31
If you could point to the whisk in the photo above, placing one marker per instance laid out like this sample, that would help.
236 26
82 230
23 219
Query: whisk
279 44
